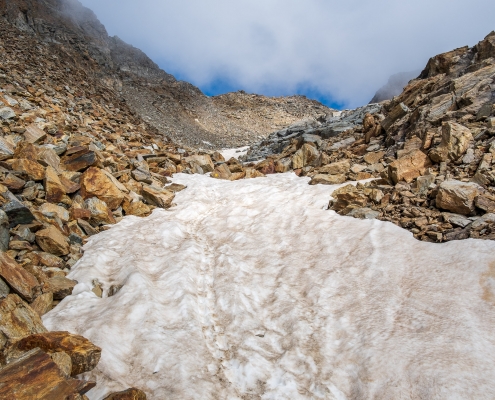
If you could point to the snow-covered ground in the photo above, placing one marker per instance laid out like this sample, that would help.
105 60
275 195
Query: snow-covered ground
250 289
236 153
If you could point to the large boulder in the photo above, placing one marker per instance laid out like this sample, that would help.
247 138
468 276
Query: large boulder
203 160
307 155
456 139
409 167
95 183
458 197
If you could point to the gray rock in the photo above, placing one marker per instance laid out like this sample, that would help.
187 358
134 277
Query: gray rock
342 143
4 289
17 212
7 113
456 219
4 231
364 213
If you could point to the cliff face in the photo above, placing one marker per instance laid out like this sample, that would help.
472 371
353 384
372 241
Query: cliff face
175 108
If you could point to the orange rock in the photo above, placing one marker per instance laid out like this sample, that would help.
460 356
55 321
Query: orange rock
32 169
53 241
54 188
21 281
409 167
129 394
95 183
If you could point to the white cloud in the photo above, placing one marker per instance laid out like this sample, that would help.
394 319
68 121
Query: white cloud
342 49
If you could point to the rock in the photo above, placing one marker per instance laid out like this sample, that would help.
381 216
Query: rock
4 289
456 139
283 165
364 213
129 394
158 197
376 195
409 167
54 188
222 171
374 157
61 212
17 213
20 280
7 113
95 183
52 241
411 145
399 111
137 208
456 219
357 168
324 179
306 155
63 361
86 227
342 144
32 169
100 213
253 173
17 319
485 203
266 167
458 197
84 354
42 304
79 160
340 167
60 286
36 376
204 161
13 182
4 231
34 134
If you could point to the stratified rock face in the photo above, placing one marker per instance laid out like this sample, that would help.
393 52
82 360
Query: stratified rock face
175 108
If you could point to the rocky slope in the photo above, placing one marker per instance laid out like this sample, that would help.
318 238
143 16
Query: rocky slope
431 148
176 109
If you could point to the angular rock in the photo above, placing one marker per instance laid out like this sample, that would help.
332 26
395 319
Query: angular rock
34 134
61 212
95 183
485 203
323 179
456 139
100 213
84 354
53 241
34 170
203 160
17 319
364 213
4 231
80 160
54 188
340 167
129 394
409 167
305 156
36 376
13 182
63 361
396 113
157 196
266 167
456 219
458 197
221 171
283 165
137 208
42 304
4 289
7 113
20 280
374 157
60 286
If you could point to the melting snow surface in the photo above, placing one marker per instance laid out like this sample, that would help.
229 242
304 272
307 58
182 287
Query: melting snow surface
250 289
236 153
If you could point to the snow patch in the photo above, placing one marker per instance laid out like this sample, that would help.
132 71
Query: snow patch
251 289
236 153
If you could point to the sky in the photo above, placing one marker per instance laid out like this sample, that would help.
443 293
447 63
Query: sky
338 52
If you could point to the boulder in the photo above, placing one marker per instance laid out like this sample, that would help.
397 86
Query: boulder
42 304
53 241
373 157
84 354
203 160
323 179
54 188
17 319
20 280
34 170
35 375
458 197
336 168
409 167
283 165
78 160
60 286
308 154
100 213
157 196
48 209
456 139
399 111
34 134
7 113
95 183
129 394
266 167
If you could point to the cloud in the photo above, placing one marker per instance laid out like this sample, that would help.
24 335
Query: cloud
341 51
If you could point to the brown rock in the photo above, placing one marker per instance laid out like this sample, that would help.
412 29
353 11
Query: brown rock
27 151
54 188
323 179
485 203
63 361
129 394
100 213
283 165
95 183
68 185
253 173
87 227
80 213
79 160
409 167
35 376
32 169
60 212
266 167
157 197
42 304
34 134
373 158
395 114
458 197
456 139
306 155
336 168
203 160
60 286
17 319
13 182
84 354
222 171
21 281
137 208
53 241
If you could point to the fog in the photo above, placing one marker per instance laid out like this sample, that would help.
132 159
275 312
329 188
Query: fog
340 52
